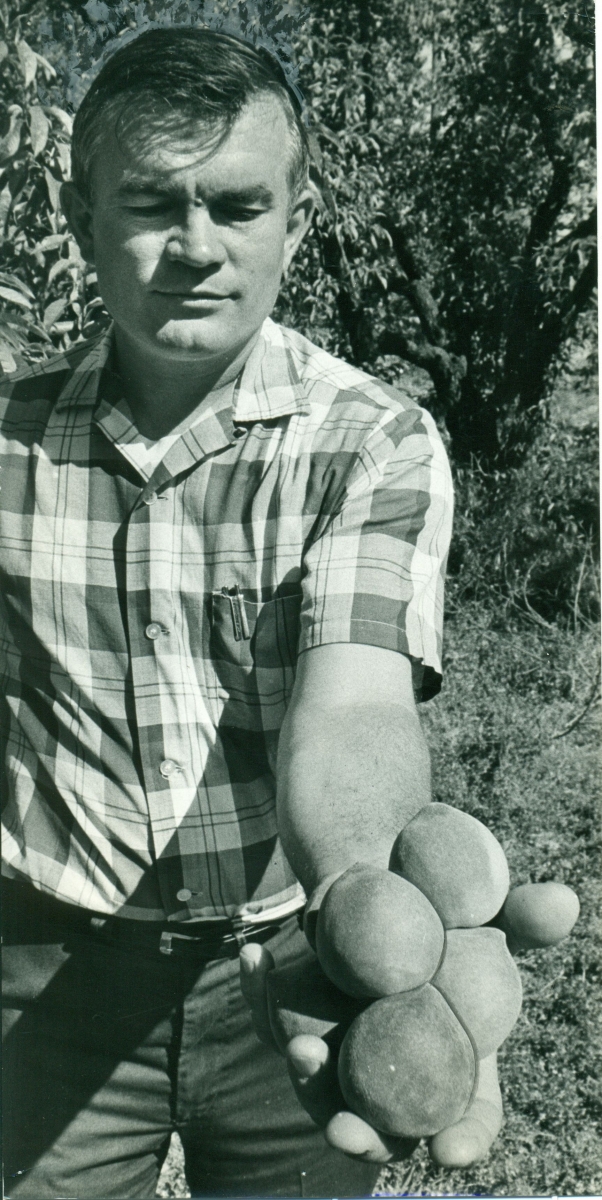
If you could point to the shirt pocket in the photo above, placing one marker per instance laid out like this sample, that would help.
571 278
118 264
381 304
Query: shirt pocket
253 649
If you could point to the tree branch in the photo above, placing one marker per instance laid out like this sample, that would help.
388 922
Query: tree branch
580 294
445 369
413 287
351 314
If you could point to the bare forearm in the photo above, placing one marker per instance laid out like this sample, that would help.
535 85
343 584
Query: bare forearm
349 778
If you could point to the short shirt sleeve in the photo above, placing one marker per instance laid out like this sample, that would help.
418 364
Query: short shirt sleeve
375 572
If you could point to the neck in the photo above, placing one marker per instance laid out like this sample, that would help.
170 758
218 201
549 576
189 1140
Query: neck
162 392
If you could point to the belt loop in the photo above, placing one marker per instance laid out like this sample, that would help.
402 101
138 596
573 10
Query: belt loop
165 945
240 931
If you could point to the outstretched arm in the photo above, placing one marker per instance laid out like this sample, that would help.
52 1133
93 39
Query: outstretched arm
353 766
353 769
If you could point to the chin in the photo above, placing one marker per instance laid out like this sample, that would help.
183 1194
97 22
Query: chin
185 339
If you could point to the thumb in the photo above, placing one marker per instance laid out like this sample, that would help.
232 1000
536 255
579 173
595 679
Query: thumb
255 964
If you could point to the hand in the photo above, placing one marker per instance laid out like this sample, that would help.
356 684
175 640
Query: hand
534 915
313 1073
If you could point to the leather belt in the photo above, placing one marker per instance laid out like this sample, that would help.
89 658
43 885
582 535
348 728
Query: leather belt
198 940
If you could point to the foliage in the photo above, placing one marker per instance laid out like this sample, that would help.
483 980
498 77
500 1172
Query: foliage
528 539
458 157
455 144
49 295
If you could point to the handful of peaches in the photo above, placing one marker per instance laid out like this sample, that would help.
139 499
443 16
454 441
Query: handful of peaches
412 988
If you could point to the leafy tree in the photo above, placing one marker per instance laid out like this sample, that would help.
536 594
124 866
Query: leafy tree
48 294
458 157
454 140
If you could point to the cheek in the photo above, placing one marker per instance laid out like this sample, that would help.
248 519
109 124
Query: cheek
266 255
125 257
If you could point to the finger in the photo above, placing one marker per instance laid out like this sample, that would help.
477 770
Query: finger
349 1133
255 964
313 1073
471 1138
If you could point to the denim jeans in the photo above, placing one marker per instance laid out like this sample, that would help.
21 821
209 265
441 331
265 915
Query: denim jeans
108 1048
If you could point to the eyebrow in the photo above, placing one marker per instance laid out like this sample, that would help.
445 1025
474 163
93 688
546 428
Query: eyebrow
256 194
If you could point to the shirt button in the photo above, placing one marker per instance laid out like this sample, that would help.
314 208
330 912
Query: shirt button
168 766
184 894
153 631
150 499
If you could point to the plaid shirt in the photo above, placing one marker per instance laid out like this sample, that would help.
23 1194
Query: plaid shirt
150 622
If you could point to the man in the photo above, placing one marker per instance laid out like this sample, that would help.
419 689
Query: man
222 558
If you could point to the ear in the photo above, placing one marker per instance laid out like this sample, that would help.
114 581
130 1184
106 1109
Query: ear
79 219
299 221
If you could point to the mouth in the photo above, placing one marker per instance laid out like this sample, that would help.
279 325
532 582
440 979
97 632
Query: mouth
197 297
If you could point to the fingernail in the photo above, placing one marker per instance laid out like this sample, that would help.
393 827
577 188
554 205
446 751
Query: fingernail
307 1055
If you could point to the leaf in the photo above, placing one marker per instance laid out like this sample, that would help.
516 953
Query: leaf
5 203
14 281
47 67
15 333
64 118
10 143
53 241
64 157
97 10
39 128
75 256
62 264
3 51
54 189
53 312
7 361
14 297
28 60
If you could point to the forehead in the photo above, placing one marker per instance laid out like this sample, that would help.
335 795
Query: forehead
255 150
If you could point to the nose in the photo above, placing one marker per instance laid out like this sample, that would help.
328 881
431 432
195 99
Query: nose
196 242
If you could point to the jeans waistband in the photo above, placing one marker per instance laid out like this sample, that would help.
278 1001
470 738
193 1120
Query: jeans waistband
220 938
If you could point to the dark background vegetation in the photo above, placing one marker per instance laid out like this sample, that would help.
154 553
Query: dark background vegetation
453 255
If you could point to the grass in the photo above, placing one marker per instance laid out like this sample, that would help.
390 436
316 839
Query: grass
508 691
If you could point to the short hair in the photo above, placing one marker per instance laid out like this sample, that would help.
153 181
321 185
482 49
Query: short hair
195 73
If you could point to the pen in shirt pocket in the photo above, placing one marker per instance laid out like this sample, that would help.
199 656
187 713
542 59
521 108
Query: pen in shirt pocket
239 613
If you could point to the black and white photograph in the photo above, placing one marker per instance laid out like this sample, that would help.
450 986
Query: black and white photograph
299 599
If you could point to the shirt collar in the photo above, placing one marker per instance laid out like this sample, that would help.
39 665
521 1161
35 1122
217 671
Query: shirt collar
269 385
83 384
267 388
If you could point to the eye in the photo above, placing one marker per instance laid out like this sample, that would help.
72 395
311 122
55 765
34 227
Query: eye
237 214
150 208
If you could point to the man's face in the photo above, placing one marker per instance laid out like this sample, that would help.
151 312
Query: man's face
190 237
